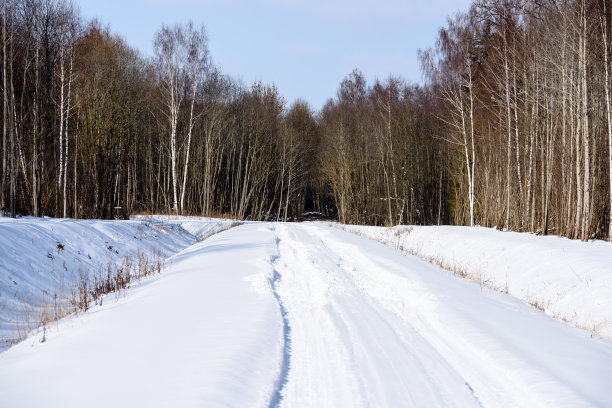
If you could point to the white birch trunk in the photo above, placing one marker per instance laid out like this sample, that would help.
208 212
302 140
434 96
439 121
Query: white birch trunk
190 128
61 130
585 130
65 171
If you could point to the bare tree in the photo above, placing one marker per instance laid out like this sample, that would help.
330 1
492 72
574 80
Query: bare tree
451 66
172 56
197 64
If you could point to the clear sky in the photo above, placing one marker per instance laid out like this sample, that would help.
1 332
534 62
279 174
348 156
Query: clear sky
304 47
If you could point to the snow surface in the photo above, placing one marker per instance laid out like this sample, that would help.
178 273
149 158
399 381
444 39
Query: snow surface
44 257
306 315
570 280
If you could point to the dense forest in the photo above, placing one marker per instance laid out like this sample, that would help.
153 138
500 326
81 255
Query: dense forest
512 128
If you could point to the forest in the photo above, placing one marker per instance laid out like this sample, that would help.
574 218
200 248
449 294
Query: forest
511 129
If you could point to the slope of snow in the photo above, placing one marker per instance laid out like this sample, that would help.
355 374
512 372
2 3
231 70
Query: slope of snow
206 332
569 280
306 315
44 257
199 227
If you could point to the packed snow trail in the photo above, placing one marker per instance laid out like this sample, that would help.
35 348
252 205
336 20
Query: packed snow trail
347 349
375 327
304 315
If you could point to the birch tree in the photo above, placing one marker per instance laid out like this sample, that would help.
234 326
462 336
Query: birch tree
451 67
197 65
172 56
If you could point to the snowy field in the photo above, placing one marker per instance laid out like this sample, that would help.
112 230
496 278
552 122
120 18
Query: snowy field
301 315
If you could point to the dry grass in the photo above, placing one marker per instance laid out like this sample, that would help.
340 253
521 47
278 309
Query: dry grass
172 215
218 229
89 290
397 233
114 279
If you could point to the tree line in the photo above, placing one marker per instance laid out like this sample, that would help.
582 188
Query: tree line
512 128
524 91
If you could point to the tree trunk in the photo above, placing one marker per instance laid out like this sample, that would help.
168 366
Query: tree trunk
606 45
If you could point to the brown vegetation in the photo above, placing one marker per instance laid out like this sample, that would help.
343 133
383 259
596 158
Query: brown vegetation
90 289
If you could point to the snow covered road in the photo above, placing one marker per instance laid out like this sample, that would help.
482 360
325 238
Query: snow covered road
304 315
392 331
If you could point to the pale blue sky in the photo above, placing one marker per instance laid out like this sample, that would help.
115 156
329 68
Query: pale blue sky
304 47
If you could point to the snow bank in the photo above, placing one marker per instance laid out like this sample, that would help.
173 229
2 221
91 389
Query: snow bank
41 259
205 333
567 279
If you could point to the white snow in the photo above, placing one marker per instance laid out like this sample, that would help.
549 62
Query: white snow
44 257
197 335
306 315
570 280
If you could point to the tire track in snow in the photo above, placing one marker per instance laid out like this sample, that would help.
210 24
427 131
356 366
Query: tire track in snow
406 334
321 372
467 384
283 376
475 334
348 350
